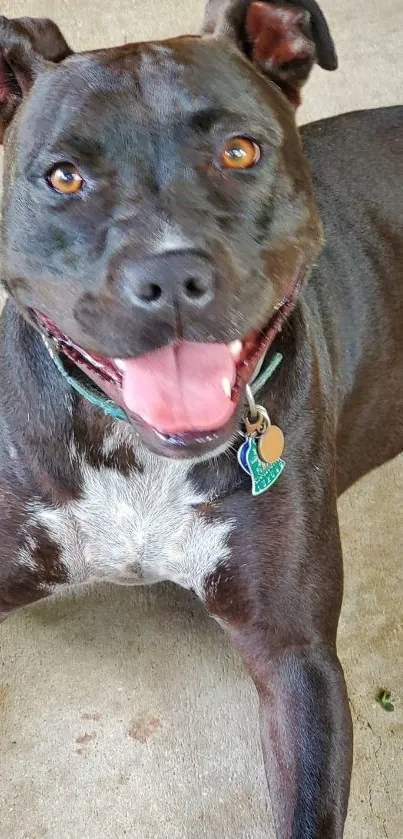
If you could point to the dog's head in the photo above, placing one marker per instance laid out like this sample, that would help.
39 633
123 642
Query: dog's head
158 217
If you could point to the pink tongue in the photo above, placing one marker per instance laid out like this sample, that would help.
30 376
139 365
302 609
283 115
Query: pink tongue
179 388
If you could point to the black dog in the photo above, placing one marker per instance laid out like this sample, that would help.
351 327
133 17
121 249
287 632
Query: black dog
159 227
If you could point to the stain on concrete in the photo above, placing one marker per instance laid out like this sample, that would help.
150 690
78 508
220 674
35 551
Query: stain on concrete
144 727
83 739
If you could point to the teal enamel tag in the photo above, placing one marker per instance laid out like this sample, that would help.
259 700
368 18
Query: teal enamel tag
263 475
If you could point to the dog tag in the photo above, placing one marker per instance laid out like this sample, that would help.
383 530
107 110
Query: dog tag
271 444
242 452
260 453
263 475
257 425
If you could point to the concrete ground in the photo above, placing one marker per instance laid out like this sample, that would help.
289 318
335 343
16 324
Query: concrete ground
126 712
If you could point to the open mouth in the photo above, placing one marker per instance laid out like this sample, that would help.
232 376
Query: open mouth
186 393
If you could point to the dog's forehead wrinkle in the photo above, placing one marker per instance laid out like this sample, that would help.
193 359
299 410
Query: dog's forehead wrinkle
175 77
168 105
54 114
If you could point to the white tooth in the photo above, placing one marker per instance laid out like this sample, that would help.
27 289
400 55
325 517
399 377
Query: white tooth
226 386
235 348
120 363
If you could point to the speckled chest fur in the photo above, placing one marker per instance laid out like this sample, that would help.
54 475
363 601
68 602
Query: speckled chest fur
137 526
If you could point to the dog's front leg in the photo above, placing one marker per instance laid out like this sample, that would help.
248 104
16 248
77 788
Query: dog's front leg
306 739
279 598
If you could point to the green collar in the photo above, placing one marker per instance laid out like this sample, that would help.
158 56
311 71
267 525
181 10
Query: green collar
265 371
93 395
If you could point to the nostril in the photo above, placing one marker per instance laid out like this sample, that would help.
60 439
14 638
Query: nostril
150 293
195 288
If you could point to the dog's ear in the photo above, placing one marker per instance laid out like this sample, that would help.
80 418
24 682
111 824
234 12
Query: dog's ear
283 38
26 44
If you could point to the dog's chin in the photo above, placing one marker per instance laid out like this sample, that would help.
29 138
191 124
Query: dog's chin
196 446
176 440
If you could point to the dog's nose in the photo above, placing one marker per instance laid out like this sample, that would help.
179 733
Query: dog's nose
185 278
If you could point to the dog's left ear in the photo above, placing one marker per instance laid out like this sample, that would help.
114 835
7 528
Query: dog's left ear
26 45
284 39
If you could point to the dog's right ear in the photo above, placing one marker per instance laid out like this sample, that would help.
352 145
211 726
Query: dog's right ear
26 45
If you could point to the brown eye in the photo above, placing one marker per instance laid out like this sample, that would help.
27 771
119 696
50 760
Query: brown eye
65 178
240 153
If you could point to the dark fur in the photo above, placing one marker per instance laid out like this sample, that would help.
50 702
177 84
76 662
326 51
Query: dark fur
337 395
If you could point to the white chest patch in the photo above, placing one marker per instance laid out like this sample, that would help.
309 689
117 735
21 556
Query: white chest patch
138 528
